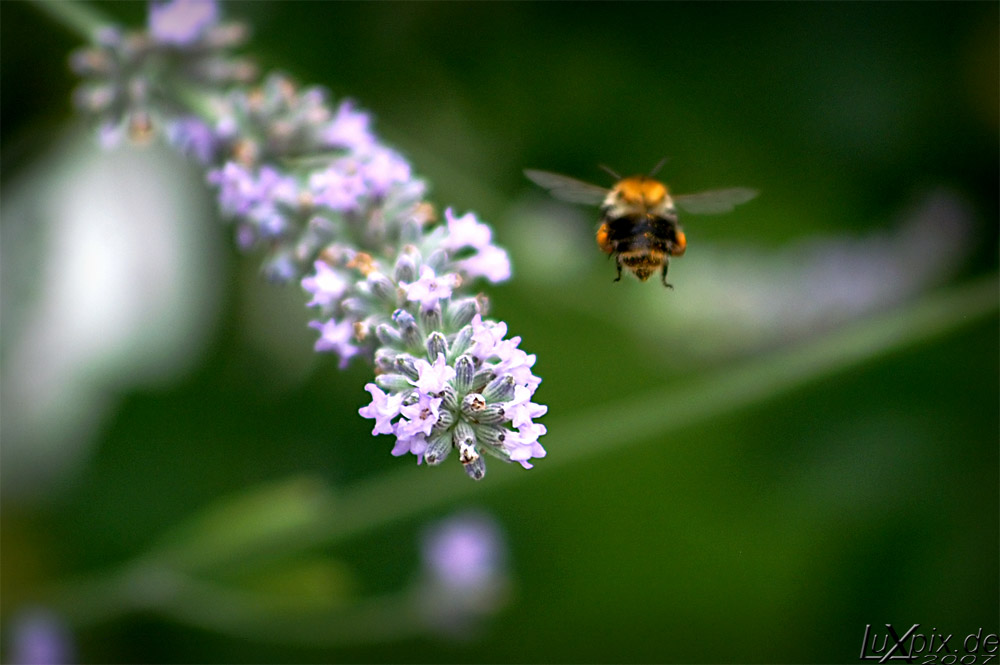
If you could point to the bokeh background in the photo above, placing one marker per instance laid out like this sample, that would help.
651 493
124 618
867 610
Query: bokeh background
149 371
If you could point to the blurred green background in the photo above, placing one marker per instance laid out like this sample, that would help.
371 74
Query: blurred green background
769 532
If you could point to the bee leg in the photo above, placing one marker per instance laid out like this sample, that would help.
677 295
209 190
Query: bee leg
663 275
619 277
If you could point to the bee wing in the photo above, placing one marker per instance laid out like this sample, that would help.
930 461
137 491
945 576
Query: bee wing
715 201
566 188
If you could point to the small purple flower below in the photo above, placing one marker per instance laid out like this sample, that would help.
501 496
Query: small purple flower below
465 573
465 552
39 637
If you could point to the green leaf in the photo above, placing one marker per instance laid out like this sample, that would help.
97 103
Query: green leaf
266 517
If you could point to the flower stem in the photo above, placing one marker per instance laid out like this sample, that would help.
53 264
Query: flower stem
75 16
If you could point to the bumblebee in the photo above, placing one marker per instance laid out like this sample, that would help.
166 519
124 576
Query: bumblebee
639 216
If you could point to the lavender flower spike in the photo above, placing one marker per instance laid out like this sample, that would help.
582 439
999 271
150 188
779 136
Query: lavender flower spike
309 183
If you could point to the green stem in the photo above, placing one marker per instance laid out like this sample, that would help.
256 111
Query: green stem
75 16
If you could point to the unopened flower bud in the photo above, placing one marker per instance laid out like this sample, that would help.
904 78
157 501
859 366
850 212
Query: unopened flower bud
407 327
491 414
460 313
436 345
438 449
449 401
473 404
500 389
444 422
475 466
463 436
406 269
437 260
483 378
388 335
430 317
381 287
492 436
404 365
465 370
392 382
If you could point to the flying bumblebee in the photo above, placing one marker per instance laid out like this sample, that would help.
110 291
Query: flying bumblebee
639 216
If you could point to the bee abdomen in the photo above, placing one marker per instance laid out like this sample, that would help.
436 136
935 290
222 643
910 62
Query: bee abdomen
642 262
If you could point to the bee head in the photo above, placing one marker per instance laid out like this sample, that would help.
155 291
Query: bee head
641 191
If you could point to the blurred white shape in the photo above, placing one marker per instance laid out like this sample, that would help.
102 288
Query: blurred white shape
734 300
109 282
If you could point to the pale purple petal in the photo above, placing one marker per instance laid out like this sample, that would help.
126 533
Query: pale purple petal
521 409
193 137
416 444
337 337
327 285
420 417
485 336
466 231
340 187
430 288
181 22
490 262
383 169
349 129
383 408
433 379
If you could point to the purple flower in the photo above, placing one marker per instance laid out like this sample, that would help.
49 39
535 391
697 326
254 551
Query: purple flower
433 379
465 231
328 286
245 194
523 444
465 573
340 187
485 337
490 262
39 637
465 553
193 138
516 362
383 409
420 417
181 22
521 409
349 129
430 288
383 169
336 336
411 444
110 133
